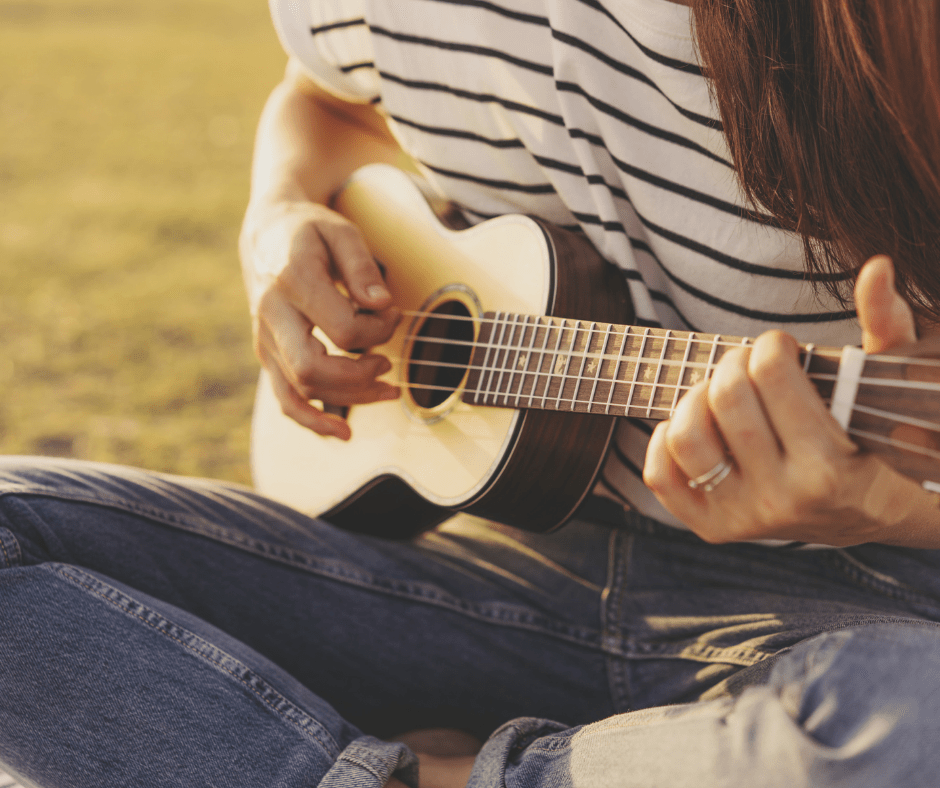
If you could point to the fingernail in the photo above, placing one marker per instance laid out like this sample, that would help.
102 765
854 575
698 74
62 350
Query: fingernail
384 366
375 292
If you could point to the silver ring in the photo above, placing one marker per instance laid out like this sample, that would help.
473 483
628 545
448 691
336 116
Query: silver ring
709 481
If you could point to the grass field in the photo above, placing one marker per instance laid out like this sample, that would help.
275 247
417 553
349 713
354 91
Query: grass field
126 133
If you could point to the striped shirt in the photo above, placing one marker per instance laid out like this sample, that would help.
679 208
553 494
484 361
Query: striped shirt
594 115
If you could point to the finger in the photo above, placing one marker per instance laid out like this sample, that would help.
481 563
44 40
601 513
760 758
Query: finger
355 265
669 483
739 415
885 317
309 282
797 414
294 406
692 438
312 372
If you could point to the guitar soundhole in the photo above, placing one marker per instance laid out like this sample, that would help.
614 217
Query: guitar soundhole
440 354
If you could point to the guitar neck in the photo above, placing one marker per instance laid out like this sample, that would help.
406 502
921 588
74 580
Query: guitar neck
551 363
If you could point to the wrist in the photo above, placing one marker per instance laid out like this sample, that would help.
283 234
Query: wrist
259 246
916 520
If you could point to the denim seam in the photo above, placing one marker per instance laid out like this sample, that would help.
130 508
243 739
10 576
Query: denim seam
361 764
199 526
746 657
620 546
858 572
17 559
581 636
331 747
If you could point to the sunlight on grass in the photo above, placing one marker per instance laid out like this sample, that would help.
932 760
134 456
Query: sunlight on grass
127 130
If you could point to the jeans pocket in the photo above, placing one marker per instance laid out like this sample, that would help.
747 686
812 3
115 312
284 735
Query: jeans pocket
906 576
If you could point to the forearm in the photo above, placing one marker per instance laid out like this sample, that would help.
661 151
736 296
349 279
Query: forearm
308 142
916 516
307 145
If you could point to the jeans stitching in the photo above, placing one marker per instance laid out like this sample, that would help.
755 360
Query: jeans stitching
6 556
17 559
361 764
620 544
858 572
200 526
334 749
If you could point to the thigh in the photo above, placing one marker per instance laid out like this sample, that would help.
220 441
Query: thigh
693 619
466 626
855 707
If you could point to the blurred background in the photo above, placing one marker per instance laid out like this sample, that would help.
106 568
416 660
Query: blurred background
125 140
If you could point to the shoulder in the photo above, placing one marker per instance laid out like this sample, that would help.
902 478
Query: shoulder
330 41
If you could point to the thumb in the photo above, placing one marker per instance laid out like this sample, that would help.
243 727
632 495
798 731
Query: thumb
885 317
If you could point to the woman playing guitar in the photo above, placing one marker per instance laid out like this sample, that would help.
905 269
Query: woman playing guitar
745 597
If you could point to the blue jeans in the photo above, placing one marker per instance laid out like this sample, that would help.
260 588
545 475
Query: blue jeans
157 631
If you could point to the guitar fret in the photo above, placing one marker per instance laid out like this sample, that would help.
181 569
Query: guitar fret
710 366
685 361
564 374
486 357
528 360
636 371
541 359
513 366
613 380
548 375
506 366
659 372
809 355
600 366
584 358
499 343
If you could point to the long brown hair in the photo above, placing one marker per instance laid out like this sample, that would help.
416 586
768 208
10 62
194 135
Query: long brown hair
832 112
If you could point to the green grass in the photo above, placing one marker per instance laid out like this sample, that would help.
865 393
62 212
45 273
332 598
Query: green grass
125 141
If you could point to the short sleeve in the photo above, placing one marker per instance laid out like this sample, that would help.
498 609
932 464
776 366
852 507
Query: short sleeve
330 39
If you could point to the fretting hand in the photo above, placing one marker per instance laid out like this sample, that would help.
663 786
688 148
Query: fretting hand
792 472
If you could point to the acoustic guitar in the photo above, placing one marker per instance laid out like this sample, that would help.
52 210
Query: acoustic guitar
515 360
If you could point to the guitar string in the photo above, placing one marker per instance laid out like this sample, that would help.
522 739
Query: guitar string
913 385
572 404
913 448
706 339
581 352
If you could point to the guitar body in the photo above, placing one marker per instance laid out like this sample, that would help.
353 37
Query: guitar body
413 462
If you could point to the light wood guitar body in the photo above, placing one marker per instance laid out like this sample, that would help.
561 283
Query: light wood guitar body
514 358
493 462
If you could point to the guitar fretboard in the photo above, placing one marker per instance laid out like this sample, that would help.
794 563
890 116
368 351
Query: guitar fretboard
528 361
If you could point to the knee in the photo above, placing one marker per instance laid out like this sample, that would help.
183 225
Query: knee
864 702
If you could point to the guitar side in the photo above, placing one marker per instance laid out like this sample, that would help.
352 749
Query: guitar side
405 469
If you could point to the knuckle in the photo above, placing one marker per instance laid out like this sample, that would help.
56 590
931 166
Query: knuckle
728 390
680 442
307 374
654 478
771 511
821 483
769 361
290 408
345 336
349 235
